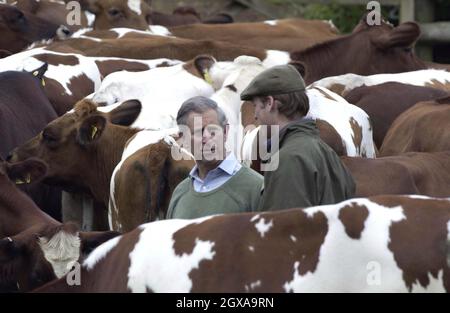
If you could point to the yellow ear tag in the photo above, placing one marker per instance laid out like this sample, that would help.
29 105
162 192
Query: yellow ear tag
43 82
35 73
19 182
28 178
207 77
94 132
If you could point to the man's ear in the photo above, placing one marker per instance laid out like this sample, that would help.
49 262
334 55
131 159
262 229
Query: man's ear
270 101
91 129
27 171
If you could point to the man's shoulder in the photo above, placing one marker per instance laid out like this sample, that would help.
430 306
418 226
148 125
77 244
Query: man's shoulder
183 186
250 174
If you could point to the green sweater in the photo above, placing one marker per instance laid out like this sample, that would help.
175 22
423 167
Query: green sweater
241 193
309 172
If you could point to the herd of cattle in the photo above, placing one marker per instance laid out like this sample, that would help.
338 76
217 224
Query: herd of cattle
87 131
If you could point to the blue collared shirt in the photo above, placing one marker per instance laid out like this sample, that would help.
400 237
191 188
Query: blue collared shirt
216 177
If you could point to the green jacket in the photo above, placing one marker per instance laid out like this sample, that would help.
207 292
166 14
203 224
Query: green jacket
241 193
309 172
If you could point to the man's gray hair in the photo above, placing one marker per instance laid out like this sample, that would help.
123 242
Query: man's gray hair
200 105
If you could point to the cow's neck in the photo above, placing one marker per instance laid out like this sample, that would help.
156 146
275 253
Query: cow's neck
17 211
106 159
324 59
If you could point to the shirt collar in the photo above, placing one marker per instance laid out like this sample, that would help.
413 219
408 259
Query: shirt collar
227 165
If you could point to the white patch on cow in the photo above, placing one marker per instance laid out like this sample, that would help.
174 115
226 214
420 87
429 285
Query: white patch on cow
338 257
251 248
416 78
330 22
252 286
122 31
276 57
90 18
61 251
154 264
135 6
100 253
247 151
160 30
262 227
293 238
435 284
81 32
255 218
338 112
271 22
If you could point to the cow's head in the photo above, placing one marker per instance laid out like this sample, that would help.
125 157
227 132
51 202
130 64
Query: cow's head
75 143
370 49
19 29
119 13
41 254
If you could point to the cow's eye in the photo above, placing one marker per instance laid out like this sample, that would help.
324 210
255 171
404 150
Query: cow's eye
49 137
114 12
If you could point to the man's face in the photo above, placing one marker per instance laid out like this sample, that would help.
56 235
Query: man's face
263 110
207 136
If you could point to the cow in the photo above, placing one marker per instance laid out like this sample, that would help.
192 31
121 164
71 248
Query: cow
152 165
71 77
385 102
425 127
376 244
164 85
24 112
20 29
286 35
82 148
368 50
50 10
35 248
420 173
344 84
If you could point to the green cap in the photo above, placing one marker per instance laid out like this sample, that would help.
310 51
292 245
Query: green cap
276 80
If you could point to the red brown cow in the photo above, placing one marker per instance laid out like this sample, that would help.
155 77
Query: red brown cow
20 29
35 248
409 173
82 148
425 127
377 244
287 34
385 102
24 112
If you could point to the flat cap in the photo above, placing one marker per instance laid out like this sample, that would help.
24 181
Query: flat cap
276 80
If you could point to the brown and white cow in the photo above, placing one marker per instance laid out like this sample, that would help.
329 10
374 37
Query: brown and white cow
408 173
20 29
70 77
425 127
35 248
378 244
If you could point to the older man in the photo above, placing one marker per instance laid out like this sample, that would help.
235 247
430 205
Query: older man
218 183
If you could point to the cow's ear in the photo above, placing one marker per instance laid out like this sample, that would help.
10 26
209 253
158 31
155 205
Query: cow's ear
299 66
203 64
26 172
91 129
91 240
91 6
40 72
126 113
8 250
404 35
